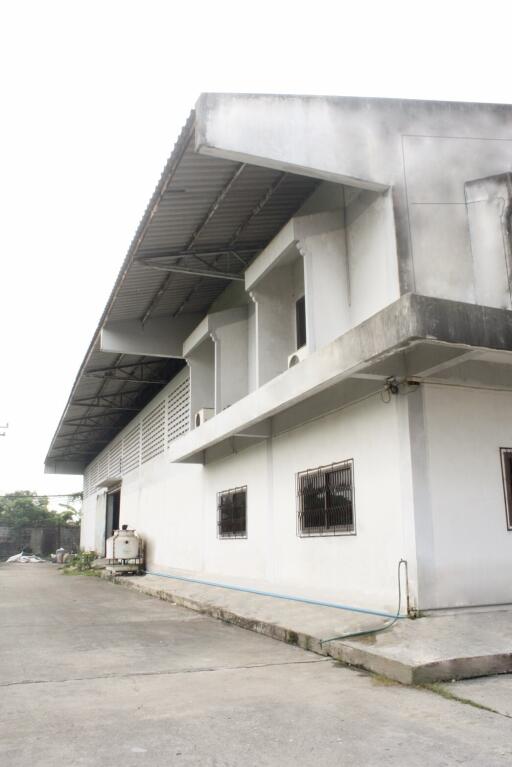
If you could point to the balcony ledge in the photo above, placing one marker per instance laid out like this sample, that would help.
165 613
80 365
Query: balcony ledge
411 320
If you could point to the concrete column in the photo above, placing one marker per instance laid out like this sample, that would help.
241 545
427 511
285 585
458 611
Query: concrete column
202 377
275 323
418 523
231 363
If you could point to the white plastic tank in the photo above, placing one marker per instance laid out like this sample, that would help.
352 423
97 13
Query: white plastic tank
124 544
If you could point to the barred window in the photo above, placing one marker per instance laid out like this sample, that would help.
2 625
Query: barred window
232 513
506 473
325 500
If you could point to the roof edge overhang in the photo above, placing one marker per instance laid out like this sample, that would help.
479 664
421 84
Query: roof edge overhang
172 163
55 460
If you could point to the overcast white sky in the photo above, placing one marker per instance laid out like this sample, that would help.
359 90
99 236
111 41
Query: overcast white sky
93 95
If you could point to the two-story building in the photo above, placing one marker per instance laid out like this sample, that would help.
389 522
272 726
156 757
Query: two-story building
304 370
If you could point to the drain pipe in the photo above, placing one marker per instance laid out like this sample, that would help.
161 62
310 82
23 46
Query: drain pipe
290 598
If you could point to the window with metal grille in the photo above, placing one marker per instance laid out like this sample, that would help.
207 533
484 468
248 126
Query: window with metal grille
506 473
232 513
325 500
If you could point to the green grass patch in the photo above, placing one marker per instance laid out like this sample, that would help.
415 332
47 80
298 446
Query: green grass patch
80 564
440 689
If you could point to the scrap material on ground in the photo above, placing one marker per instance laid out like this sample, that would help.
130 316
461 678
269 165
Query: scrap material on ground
25 558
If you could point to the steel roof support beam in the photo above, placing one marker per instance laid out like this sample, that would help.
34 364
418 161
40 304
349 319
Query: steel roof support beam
199 272
81 446
127 366
211 212
98 444
105 407
91 420
88 430
179 254
110 377
223 192
271 190
109 399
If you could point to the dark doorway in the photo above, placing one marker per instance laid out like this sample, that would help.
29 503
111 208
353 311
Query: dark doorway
113 508
300 322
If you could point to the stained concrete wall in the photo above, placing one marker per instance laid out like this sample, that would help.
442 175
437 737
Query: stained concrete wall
350 267
489 206
42 540
437 169
424 152
372 254
465 549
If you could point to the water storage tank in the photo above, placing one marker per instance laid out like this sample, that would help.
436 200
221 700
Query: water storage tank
126 544
125 552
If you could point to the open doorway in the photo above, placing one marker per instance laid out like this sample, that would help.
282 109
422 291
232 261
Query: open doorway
113 509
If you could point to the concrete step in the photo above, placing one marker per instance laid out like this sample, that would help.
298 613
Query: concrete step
459 645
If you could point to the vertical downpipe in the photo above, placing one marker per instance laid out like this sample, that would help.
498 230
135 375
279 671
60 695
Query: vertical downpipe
270 558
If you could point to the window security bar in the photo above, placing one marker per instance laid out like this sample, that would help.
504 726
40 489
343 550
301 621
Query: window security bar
325 500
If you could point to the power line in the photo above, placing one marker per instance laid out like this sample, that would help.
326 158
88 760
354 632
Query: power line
48 495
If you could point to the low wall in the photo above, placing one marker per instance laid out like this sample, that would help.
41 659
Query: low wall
42 540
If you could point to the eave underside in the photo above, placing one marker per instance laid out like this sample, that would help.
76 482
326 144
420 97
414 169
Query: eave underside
206 222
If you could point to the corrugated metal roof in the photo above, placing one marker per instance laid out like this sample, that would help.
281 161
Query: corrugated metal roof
215 210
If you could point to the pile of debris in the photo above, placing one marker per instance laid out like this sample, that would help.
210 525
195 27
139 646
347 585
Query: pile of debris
26 555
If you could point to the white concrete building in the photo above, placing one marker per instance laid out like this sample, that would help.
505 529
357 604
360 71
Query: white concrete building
304 370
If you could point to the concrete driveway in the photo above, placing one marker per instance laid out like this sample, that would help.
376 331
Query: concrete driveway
94 674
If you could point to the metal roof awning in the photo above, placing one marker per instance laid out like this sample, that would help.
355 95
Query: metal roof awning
207 220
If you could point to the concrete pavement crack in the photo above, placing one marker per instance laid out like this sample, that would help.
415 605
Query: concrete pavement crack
439 689
205 669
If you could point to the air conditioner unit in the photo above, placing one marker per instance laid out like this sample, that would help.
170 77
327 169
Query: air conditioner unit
297 356
203 415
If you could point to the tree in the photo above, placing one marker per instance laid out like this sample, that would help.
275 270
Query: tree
25 509
72 513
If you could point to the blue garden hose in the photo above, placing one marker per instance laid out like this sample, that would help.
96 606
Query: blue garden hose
387 626
304 600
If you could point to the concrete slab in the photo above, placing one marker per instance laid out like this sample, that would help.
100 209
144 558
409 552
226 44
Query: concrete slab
165 686
90 629
493 692
437 648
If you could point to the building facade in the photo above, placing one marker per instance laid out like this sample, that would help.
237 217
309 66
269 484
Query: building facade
304 371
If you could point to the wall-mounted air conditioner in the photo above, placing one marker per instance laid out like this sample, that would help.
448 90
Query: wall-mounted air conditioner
203 415
297 356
